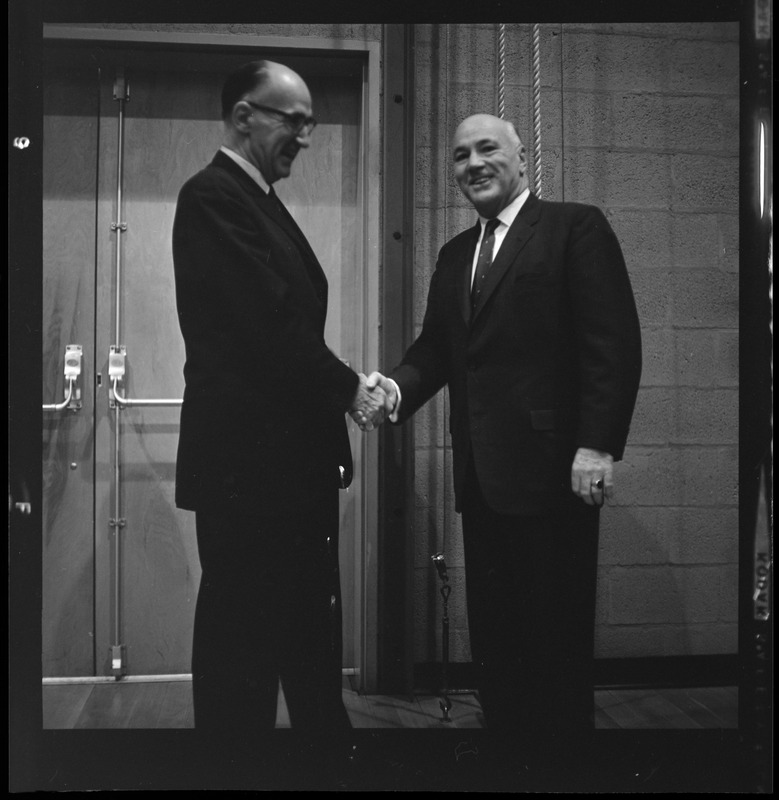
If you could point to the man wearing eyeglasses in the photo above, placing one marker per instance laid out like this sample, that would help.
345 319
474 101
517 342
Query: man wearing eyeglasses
262 454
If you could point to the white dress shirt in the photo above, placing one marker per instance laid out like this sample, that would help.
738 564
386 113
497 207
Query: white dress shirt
248 168
506 218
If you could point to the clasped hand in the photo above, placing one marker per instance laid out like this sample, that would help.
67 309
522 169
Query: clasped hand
374 401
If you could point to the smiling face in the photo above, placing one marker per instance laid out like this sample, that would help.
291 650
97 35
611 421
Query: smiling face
489 163
270 143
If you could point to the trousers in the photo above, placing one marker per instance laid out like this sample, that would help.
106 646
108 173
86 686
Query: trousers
531 593
269 610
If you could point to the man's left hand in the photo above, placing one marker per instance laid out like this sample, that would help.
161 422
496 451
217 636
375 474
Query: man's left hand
592 476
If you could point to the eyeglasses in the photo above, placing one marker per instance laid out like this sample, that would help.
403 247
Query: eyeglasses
299 122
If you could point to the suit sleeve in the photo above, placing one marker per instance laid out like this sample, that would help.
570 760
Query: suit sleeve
234 307
606 332
425 367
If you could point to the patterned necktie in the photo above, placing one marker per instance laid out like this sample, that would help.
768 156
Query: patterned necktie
485 259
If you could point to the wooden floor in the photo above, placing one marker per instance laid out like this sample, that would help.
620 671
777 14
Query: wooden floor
168 704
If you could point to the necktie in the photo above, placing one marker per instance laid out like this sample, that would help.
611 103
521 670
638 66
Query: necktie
484 261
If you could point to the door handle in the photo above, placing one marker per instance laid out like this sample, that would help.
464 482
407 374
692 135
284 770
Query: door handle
72 372
116 370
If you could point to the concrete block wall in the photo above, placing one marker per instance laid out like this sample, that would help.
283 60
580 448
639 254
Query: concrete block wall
646 127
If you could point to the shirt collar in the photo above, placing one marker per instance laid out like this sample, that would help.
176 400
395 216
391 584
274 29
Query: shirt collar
248 168
509 213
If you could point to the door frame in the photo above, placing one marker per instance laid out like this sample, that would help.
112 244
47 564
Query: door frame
369 52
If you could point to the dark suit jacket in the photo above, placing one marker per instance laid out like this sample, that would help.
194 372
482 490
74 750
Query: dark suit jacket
550 361
263 415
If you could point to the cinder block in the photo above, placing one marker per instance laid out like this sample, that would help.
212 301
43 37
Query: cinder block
435 532
430 423
430 106
703 66
615 62
664 594
429 477
704 182
704 298
727 358
714 31
695 240
715 638
706 416
606 178
653 417
651 476
427 535
645 238
709 476
635 641
669 123
728 241
602 598
704 124
636 535
472 50
728 593
652 290
645 595
696 358
429 184
590 120
658 367
705 536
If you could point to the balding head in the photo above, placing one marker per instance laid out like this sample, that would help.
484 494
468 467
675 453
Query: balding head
267 111
489 162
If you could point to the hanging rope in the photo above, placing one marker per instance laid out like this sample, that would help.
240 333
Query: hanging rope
501 70
537 171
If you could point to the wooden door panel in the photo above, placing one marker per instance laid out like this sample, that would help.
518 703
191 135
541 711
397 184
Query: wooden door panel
69 192
172 128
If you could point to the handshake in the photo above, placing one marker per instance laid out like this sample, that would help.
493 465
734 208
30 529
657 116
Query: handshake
376 398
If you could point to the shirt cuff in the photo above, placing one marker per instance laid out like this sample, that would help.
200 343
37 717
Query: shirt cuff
393 417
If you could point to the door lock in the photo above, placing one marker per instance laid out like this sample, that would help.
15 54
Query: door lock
72 371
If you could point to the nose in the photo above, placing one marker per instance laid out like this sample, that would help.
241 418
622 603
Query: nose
303 138
475 161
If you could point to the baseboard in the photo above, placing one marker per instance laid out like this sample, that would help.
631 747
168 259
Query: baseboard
610 673
667 671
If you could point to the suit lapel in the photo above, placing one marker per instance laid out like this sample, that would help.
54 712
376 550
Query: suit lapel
275 210
518 235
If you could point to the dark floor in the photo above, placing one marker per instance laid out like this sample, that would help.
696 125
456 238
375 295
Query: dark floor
129 734
168 704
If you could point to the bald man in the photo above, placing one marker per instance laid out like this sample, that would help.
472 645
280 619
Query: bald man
532 326
262 455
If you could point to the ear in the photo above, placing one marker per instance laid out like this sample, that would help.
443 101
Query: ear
240 116
522 155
